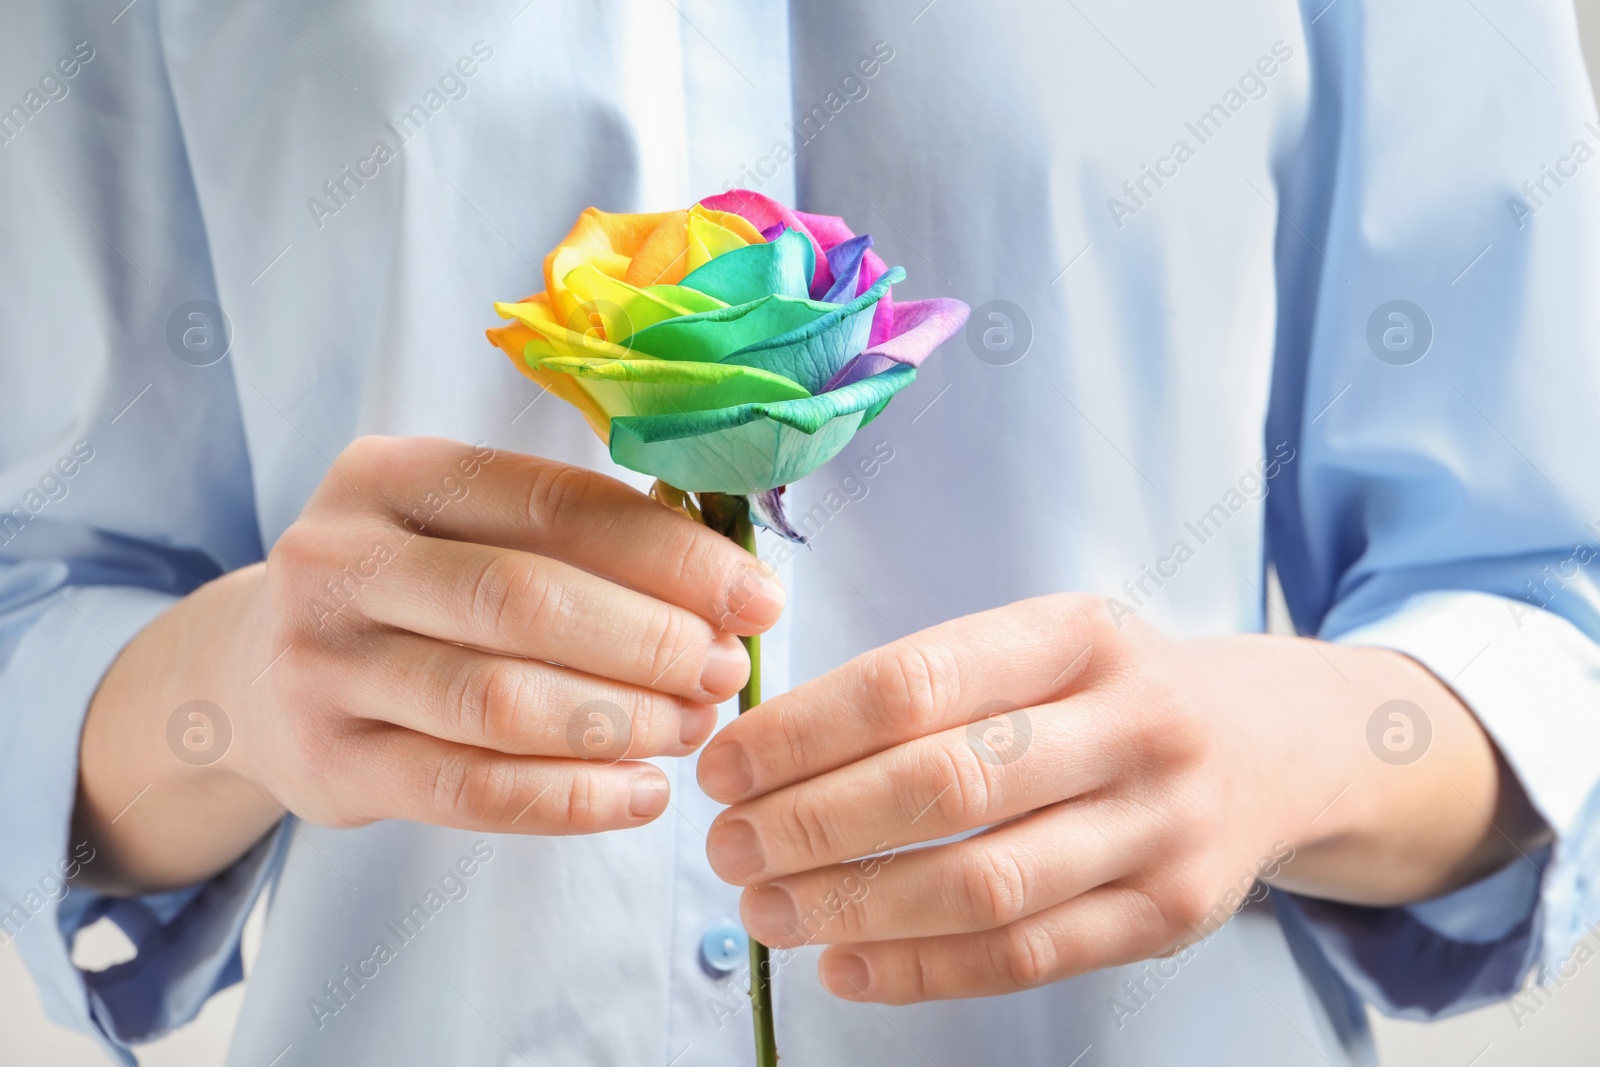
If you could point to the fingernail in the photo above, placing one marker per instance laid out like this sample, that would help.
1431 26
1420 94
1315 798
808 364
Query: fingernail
725 772
735 851
648 797
757 597
726 666
769 912
695 724
845 975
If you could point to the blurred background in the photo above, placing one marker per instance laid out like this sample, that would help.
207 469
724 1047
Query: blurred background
1559 1028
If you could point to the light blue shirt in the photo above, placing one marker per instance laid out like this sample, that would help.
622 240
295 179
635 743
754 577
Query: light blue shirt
1309 286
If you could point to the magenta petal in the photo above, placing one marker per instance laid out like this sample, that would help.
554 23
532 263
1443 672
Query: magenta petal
829 229
918 327
763 213
883 315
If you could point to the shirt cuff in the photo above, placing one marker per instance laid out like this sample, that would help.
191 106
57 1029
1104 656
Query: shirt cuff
1532 679
187 942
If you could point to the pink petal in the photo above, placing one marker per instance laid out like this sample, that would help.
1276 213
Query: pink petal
763 213
918 327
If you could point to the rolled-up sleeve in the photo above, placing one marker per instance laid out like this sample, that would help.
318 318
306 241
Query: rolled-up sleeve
124 485
1437 365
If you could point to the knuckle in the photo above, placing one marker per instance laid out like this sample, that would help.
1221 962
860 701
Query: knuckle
582 808
1029 955
555 493
993 889
666 642
512 595
793 731
471 790
852 914
368 455
1177 910
805 825
912 686
301 553
959 782
702 561
485 699
312 740
646 716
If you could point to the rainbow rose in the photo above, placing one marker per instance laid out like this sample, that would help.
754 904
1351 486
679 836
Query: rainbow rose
730 348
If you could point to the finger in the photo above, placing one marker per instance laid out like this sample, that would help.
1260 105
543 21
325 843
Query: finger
950 675
1105 927
512 705
924 790
478 494
981 883
387 772
521 604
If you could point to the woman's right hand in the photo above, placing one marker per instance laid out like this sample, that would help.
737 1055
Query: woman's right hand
448 635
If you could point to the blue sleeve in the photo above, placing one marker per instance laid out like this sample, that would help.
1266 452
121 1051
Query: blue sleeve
1437 371
124 484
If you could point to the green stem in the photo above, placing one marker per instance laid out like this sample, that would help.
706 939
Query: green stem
760 966
730 516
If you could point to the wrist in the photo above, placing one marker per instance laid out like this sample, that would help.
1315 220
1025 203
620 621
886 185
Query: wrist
167 791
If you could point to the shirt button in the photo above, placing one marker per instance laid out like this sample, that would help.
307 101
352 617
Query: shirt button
724 947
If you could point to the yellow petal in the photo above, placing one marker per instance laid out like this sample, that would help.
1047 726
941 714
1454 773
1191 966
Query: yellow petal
514 339
623 309
587 341
707 241
738 224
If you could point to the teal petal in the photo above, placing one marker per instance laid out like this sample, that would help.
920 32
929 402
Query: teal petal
751 448
813 353
781 267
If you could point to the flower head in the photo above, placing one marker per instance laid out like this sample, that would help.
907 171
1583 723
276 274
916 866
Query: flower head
733 347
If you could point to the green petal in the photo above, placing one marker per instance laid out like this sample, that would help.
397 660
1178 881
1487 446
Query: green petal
782 266
806 341
752 447
652 387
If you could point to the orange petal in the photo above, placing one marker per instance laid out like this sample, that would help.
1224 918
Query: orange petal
663 258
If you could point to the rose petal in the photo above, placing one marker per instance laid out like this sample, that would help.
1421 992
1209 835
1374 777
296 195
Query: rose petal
630 387
753 447
919 326
767 509
846 259
781 267
763 212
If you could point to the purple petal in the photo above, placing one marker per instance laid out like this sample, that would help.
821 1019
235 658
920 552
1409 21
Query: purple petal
767 509
845 260
918 327
773 232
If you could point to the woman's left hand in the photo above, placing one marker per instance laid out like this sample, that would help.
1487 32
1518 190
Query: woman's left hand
1130 789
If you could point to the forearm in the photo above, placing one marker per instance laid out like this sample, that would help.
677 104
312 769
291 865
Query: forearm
1365 829
158 821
